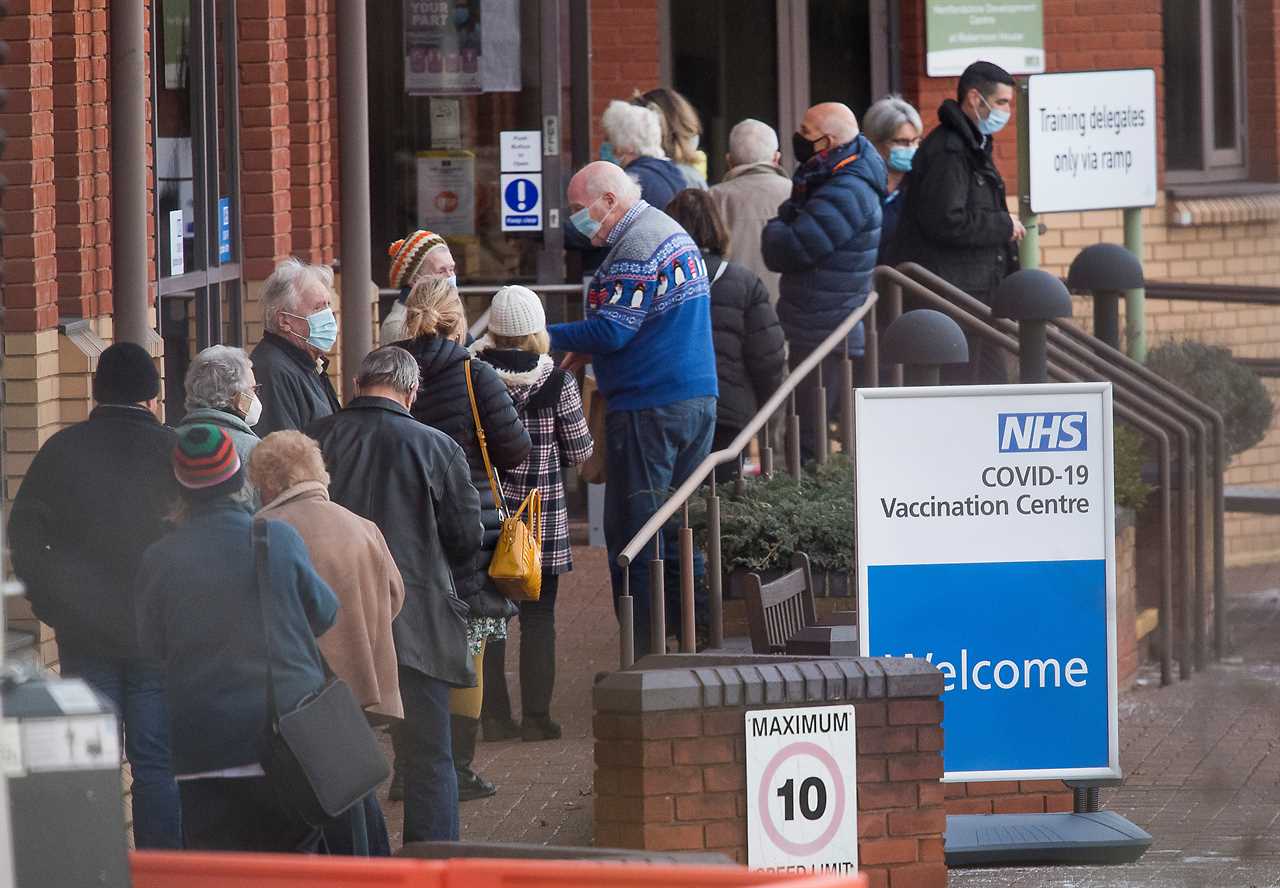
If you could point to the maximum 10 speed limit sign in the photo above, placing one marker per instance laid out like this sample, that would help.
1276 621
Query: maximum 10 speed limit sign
802 805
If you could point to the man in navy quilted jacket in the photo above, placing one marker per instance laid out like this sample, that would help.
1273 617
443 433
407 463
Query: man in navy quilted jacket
824 242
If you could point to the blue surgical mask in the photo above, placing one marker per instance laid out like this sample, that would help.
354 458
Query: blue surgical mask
994 121
453 281
606 153
322 328
582 221
900 158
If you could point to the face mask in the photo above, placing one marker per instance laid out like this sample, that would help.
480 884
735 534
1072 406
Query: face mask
453 281
322 328
582 221
606 153
802 148
691 143
254 413
900 158
994 121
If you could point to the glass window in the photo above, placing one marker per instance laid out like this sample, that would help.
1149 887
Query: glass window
840 52
1204 86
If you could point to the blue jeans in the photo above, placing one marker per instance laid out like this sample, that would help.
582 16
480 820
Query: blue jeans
137 690
430 782
360 832
649 453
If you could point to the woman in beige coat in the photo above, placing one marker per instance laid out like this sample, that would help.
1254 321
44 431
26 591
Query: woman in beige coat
350 555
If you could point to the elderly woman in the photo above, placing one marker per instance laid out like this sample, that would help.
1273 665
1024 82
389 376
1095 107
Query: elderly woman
221 391
421 254
681 133
895 129
635 136
351 556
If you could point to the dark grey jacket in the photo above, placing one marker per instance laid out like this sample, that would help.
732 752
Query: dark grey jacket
414 483
294 391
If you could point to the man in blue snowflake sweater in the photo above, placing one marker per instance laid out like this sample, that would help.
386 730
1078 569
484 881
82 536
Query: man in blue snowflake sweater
648 335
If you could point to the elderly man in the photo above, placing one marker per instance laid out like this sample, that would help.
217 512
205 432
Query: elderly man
749 194
422 254
413 482
221 390
824 242
290 359
648 332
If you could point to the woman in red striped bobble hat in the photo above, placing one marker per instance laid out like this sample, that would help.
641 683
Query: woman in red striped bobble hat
420 255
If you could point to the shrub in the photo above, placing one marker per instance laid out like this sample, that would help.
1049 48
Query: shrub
1127 455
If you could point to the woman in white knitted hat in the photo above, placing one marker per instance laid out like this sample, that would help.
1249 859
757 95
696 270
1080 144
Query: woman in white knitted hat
550 406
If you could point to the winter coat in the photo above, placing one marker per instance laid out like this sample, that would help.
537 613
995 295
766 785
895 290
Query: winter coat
414 483
242 436
891 215
660 179
350 554
201 614
95 497
955 220
751 355
824 242
295 391
443 404
748 197
550 407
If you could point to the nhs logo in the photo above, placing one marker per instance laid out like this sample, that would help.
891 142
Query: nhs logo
1029 432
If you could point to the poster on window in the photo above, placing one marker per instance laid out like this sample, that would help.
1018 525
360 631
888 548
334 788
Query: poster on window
447 192
456 47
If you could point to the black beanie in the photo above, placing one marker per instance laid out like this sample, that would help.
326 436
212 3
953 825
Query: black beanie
125 375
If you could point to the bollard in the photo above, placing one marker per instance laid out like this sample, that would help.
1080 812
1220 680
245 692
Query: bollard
1032 298
921 341
1107 271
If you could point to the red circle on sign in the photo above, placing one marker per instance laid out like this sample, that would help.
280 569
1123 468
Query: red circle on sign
446 201
801 748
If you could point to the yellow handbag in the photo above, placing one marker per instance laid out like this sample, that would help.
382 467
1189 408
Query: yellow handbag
516 568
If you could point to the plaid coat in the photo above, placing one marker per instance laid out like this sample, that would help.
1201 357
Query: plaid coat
550 406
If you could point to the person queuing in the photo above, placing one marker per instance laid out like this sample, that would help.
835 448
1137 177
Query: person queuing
750 193
550 407
437 327
202 613
635 138
414 483
681 133
221 390
824 242
894 128
648 334
351 556
751 352
290 360
421 254
96 496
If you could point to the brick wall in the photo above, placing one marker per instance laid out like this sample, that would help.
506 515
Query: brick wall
312 64
625 48
1262 55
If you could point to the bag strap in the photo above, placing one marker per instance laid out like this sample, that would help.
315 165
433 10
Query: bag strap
494 487
260 556
719 270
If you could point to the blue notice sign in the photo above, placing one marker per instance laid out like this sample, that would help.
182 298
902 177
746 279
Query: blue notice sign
521 202
224 229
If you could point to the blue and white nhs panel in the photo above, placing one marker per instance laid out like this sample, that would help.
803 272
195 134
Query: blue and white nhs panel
985 545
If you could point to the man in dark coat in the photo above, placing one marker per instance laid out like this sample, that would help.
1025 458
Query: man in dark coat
96 496
289 362
414 483
955 219
824 242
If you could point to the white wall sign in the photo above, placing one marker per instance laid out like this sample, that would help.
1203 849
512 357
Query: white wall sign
177 235
802 802
521 201
447 192
1093 140
520 151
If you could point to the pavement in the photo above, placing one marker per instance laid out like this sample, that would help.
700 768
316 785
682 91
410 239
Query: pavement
1201 757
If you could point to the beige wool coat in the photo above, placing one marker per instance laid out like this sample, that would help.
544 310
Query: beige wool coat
351 555
748 197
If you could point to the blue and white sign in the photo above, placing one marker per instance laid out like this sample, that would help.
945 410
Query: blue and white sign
521 201
224 229
986 546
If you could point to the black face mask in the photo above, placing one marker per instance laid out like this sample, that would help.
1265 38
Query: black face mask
802 148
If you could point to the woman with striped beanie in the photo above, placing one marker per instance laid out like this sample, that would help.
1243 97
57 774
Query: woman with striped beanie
420 255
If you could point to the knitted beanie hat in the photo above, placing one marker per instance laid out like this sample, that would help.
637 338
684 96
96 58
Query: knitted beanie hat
516 311
407 255
205 462
125 375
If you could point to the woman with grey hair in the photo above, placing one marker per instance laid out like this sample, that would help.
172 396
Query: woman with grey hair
635 139
894 127
221 390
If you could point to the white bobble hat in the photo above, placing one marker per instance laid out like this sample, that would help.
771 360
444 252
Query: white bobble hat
516 311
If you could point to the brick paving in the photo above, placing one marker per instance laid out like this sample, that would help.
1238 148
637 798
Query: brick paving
1201 758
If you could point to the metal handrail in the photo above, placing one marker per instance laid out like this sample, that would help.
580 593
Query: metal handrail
1236 293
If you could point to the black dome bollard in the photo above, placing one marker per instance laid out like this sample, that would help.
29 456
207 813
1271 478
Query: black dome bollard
922 341
1105 271
1032 298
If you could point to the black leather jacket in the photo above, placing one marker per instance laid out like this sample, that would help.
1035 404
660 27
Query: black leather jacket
295 392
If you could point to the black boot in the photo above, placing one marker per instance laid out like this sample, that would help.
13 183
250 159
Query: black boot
496 723
471 786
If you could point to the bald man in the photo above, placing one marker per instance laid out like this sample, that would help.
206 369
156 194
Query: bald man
648 335
824 242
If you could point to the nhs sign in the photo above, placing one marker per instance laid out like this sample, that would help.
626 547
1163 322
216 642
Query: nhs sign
1039 432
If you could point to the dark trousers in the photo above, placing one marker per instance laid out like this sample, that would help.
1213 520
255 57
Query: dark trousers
425 753
136 688
241 814
360 832
807 395
537 659
650 453
723 438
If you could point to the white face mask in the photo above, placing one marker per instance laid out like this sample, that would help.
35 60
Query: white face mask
254 411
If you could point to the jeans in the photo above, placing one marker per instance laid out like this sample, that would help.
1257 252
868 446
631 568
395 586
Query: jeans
241 814
426 756
137 690
650 453
360 832
806 394
537 659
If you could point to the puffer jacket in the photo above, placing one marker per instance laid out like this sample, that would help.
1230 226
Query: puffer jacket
824 242
442 404
751 354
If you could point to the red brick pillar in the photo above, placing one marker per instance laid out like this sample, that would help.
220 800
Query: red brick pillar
1263 86
311 69
625 49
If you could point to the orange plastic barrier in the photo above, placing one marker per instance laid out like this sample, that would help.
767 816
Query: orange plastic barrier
157 869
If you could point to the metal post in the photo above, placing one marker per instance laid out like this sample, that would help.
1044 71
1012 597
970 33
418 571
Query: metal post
846 404
1219 546
793 438
657 601
714 576
1029 247
871 353
820 442
922 374
1166 574
688 624
895 311
1033 360
627 621
129 272
1135 300
353 150
1106 316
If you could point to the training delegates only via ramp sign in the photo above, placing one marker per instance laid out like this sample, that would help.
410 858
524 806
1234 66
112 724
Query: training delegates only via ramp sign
986 545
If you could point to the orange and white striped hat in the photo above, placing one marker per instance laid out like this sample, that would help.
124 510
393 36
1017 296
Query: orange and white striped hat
407 255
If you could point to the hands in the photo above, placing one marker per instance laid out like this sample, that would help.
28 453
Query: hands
574 361
1019 230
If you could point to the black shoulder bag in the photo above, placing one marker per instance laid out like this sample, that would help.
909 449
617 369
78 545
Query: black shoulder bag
324 757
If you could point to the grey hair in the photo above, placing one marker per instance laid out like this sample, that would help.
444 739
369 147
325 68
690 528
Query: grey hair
216 376
283 290
752 141
882 119
633 129
390 366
